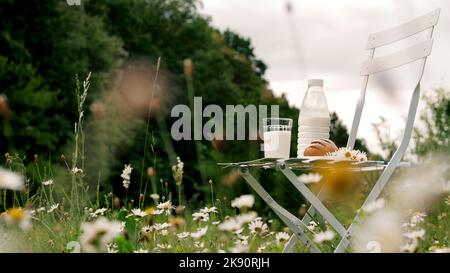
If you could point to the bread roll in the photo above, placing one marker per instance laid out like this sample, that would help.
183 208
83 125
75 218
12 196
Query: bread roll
320 147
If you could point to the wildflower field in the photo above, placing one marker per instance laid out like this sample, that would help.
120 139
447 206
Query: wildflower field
89 165
412 218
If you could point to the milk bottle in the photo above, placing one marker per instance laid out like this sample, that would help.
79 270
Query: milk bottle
314 118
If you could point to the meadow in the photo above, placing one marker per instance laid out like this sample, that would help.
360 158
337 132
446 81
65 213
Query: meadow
62 215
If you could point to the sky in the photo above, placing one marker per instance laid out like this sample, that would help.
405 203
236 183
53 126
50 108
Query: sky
326 39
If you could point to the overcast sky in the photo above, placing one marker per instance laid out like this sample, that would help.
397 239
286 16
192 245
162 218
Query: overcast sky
326 39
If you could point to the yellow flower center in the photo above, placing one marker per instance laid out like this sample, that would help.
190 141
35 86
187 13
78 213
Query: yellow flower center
149 211
16 214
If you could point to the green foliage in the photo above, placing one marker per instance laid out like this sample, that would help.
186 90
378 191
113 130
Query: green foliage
431 133
434 138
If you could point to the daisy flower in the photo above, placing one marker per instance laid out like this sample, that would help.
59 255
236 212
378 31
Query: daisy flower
183 235
199 244
200 216
414 235
112 248
199 233
164 232
146 229
166 207
243 201
282 237
260 249
48 182
76 171
10 180
246 217
95 236
155 197
239 248
17 216
98 212
164 246
312 226
230 225
257 226
209 210
140 250
374 205
53 207
417 218
310 178
323 236
159 226
138 213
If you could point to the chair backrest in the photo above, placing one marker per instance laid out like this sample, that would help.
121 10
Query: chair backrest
373 65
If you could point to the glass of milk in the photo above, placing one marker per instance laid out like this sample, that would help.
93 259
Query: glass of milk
277 137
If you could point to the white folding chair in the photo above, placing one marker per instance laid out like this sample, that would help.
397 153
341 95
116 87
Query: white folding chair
372 66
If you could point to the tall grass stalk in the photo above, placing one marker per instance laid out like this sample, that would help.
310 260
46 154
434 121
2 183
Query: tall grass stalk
77 197
149 110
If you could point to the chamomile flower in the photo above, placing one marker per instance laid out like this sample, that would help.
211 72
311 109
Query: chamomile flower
374 205
323 236
413 235
112 248
76 171
166 207
239 248
257 226
164 232
312 226
10 180
141 250
53 207
260 249
200 216
146 229
199 233
183 235
209 210
348 154
162 226
243 201
230 225
164 246
95 236
282 237
48 182
310 178
417 218
246 218
17 216
155 197
98 212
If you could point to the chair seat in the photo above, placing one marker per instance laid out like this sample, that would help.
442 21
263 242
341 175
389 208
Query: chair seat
313 162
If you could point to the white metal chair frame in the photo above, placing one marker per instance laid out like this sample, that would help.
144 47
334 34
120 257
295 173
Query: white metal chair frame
373 65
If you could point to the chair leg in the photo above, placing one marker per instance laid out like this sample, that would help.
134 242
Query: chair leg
315 202
293 223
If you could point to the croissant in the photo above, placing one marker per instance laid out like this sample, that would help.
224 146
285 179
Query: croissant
320 147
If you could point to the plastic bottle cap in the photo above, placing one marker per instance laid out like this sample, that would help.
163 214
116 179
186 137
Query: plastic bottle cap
315 82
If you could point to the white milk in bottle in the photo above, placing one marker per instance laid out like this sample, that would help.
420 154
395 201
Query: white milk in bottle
314 118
